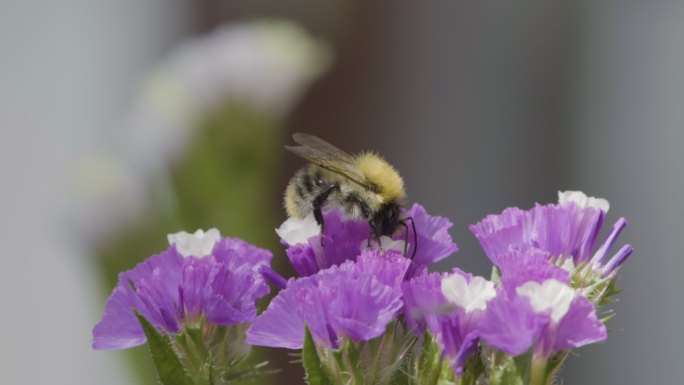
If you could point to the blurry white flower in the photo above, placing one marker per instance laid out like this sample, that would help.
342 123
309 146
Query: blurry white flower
109 195
264 65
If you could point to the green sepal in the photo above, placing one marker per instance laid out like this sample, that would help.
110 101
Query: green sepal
164 355
315 375
496 275
472 370
513 371
430 362
254 372
405 373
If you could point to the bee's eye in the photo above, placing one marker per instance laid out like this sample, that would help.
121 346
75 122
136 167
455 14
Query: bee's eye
389 214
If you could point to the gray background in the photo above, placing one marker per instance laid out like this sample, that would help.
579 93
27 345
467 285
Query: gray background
480 105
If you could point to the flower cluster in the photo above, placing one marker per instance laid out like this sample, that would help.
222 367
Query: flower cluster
201 276
544 298
367 311
356 299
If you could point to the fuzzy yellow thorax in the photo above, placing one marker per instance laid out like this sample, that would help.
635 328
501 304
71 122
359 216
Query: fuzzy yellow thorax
380 173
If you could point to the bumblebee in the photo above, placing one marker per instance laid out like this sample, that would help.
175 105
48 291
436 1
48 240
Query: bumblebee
363 186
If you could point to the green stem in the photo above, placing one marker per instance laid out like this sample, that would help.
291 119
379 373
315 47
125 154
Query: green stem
539 374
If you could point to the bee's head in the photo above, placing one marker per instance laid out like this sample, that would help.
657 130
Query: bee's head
386 220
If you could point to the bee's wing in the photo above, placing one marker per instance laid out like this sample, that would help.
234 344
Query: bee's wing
324 154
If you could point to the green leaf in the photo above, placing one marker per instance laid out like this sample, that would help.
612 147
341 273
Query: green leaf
312 363
166 360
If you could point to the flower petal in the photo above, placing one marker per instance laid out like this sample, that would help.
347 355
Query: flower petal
579 327
152 289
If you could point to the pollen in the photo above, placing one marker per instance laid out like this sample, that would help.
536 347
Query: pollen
380 173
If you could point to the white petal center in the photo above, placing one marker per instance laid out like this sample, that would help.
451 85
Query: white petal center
552 294
470 296
386 243
199 244
295 230
582 200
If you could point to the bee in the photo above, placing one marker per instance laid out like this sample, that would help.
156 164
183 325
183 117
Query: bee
363 186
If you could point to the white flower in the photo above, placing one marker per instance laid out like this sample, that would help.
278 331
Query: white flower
295 230
470 296
386 243
198 244
582 200
552 294
264 64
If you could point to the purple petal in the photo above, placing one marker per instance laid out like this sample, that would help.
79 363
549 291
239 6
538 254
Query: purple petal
510 324
617 260
232 294
282 324
579 327
457 335
303 259
529 265
235 283
434 241
354 299
423 301
497 233
610 241
196 273
152 289
272 276
341 242
235 251
362 303
567 230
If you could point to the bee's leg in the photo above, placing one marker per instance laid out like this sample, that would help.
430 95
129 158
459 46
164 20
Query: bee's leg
374 236
365 212
374 233
406 235
415 235
318 203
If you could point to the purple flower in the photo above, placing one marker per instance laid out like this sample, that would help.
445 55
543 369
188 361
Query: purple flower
567 230
549 314
424 301
520 266
451 306
356 299
434 241
200 275
345 239
510 324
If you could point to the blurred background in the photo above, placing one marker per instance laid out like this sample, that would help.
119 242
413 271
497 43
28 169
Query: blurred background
123 121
